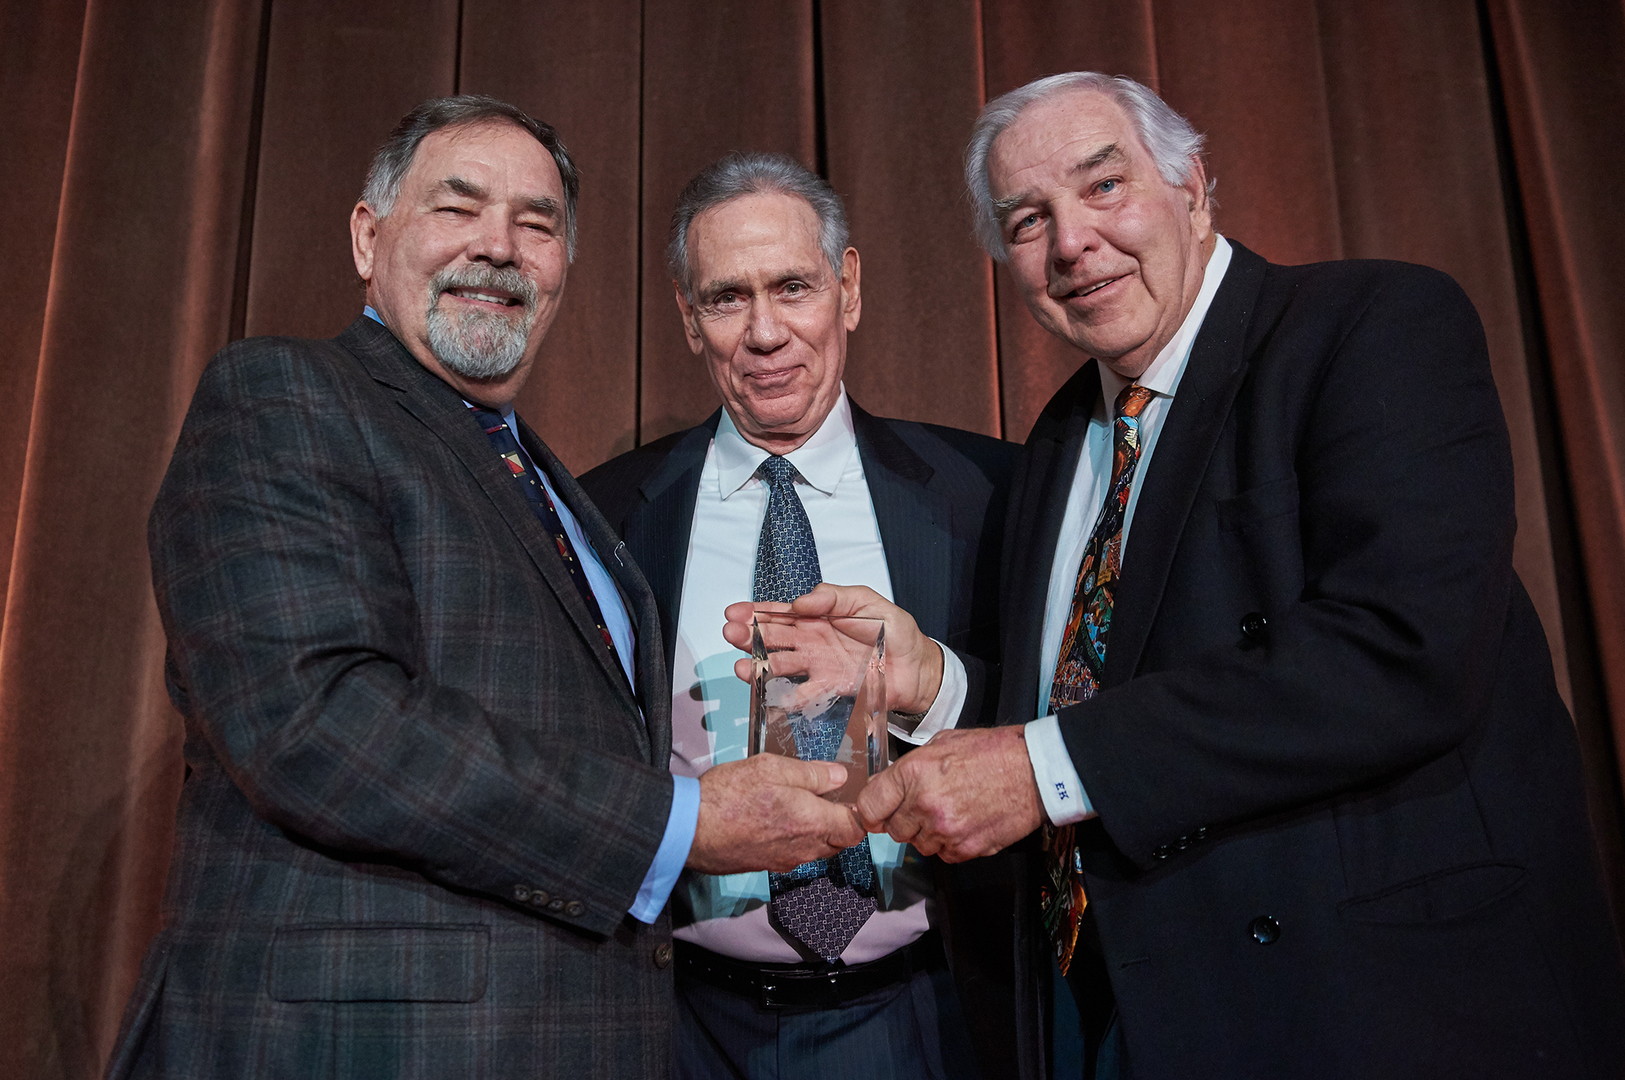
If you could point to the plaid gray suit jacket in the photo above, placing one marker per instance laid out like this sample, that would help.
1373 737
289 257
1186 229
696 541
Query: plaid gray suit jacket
421 797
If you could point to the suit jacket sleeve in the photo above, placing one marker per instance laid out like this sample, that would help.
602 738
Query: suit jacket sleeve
1380 551
298 652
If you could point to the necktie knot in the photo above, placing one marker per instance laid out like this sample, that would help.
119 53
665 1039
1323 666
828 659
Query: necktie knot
1133 400
777 470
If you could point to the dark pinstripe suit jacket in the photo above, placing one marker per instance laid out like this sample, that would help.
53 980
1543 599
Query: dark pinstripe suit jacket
939 497
421 797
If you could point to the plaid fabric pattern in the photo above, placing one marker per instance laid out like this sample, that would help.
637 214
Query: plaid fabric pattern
541 503
422 797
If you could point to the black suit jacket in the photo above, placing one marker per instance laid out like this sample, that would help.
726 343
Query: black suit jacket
421 797
1342 830
939 497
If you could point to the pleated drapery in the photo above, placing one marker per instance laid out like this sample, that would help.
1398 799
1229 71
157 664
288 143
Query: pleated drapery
180 175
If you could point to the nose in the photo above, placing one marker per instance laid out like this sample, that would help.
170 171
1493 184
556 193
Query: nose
1073 235
766 330
493 242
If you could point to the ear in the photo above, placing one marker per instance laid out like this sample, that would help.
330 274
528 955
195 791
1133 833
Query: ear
1195 187
691 321
851 289
363 239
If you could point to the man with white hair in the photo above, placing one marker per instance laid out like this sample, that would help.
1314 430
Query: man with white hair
1308 802
427 829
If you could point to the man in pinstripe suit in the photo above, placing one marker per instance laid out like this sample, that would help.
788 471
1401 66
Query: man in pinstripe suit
428 828
768 289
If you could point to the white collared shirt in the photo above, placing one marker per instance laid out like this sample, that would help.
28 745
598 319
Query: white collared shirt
710 706
1062 792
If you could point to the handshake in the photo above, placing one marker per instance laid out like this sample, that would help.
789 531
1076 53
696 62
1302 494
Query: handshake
962 795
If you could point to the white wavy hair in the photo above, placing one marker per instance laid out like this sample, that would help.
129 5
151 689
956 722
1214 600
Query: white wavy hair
1173 143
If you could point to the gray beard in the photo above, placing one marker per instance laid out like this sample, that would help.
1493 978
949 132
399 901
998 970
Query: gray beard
477 344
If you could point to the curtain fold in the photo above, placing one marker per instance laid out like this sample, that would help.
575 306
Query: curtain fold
183 173
138 293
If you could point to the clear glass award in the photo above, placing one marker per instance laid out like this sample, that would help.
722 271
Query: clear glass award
818 692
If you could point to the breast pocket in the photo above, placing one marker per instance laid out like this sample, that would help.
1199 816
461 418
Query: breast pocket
1257 507
380 962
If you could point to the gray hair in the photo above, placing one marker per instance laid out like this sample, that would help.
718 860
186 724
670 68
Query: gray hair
1170 138
740 174
394 158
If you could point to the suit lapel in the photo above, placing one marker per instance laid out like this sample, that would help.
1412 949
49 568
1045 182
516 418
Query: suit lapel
640 603
658 529
1189 434
440 408
1043 485
913 521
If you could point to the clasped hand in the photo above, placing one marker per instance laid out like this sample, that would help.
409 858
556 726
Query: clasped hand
962 795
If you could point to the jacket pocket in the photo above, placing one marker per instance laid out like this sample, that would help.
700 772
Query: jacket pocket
1447 894
1258 505
379 962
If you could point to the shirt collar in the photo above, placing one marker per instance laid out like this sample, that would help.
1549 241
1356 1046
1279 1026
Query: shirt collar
1162 377
821 460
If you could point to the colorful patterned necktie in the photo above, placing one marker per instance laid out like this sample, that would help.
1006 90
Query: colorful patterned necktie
1081 664
821 904
507 446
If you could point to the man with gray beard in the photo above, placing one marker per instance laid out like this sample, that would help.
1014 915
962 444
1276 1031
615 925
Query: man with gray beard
428 828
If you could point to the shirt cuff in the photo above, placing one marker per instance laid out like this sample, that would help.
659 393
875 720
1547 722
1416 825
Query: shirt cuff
673 850
945 708
1065 801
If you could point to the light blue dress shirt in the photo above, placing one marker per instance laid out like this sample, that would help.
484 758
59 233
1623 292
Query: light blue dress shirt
685 804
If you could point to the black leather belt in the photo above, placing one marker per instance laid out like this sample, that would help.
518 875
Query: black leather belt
807 986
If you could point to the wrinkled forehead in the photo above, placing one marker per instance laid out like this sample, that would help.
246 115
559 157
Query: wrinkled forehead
482 152
762 233
1063 131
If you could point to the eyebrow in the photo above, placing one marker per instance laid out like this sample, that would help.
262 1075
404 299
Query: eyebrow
458 185
1109 152
468 189
722 285
714 288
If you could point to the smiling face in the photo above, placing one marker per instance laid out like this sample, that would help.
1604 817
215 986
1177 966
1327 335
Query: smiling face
1108 255
468 266
769 315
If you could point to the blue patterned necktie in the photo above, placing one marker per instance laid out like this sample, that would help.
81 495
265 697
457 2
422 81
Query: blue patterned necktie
821 904
1080 666
507 447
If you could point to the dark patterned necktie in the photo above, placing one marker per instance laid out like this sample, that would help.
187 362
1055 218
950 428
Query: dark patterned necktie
1081 664
821 904
507 446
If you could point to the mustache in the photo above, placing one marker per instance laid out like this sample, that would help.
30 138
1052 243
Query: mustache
480 276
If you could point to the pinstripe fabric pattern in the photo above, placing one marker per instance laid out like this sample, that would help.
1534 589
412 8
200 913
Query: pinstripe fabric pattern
421 801
939 499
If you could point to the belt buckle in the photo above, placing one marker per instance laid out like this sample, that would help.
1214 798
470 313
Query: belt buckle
801 991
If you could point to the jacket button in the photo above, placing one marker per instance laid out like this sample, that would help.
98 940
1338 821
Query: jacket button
555 904
1253 625
663 954
538 898
521 893
574 909
1265 930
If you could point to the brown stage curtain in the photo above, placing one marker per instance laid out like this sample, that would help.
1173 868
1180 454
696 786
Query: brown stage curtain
180 175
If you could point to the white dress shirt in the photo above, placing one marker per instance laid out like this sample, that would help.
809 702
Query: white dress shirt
711 707
1062 792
